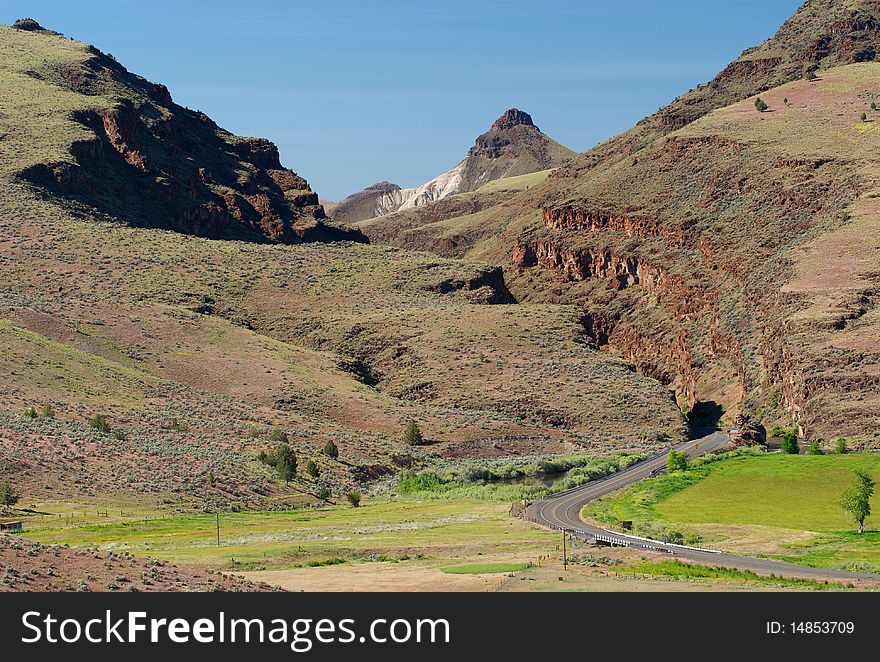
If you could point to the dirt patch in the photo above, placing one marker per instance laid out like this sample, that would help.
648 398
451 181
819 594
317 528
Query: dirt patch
375 577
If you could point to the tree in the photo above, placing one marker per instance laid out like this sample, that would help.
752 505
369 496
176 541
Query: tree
814 449
760 105
8 496
312 468
279 435
790 443
330 449
354 498
677 460
47 412
412 435
811 75
99 423
841 446
857 499
285 463
324 493
873 105
864 117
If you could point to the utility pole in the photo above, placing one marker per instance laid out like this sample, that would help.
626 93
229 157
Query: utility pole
564 554
218 529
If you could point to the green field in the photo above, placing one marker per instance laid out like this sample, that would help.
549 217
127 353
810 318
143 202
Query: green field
432 532
771 505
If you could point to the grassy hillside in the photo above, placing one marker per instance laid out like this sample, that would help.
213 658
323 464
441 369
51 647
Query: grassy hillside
705 257
76 124
201 353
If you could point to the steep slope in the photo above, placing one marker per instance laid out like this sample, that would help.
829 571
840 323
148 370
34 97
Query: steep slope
200 353
821 34
512 146
728 253
78 125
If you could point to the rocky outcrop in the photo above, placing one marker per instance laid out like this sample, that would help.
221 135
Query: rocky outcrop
578 219
747 432
584 263
152 163
485 286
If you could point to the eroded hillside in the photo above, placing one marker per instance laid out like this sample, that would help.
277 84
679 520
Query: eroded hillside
727 252
198 353
78 125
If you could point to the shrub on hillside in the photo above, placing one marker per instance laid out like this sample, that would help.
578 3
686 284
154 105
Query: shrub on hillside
354 498
99 422
285 463
279 436
8 496
331 450
412 435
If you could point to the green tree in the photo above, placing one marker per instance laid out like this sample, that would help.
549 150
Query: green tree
841 446
99 423
8 496
330 449
857 499
47 412
811 75
354 498
814 449
30 412
873 105
285 463
412 435
790 443
324 493
278 435
760 105
864 117
312 468
677 460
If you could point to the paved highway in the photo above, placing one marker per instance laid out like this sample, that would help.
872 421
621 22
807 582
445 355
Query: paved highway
562 511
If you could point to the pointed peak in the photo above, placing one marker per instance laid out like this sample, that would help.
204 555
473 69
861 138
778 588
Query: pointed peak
511 118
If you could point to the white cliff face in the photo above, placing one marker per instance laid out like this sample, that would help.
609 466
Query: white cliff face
449 183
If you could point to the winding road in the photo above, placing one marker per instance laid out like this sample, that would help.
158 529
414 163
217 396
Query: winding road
562 511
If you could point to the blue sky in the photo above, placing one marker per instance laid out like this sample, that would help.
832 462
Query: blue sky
354 92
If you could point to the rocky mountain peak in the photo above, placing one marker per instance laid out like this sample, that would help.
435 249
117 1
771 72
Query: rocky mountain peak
511 118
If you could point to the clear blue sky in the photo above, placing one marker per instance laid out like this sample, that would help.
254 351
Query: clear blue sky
357 91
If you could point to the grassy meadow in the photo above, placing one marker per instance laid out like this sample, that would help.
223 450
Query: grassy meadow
774 505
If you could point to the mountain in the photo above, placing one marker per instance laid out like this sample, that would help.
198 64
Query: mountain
79 126
512 146
728 253
152 351
820 35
